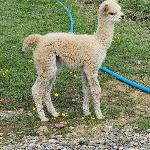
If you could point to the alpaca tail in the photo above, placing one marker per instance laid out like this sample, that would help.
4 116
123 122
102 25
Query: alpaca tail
33 38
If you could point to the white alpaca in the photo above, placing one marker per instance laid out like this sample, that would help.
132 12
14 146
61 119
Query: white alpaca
84 52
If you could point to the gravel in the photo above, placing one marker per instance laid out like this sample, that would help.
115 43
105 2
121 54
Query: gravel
113 139
6 114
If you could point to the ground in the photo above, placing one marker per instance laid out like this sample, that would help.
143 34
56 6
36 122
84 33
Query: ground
128 56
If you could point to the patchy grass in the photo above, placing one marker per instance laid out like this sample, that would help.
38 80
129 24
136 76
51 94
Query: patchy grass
144 123
128 55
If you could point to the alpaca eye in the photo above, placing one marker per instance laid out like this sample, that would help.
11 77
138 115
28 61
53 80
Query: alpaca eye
111 13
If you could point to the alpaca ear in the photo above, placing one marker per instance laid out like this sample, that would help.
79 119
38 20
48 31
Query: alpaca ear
105 9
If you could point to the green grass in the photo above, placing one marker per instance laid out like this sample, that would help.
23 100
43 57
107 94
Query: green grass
128 55
144 123
137 5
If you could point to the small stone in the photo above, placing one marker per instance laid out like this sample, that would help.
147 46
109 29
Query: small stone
115 147
135 144
59 125
42 129
148 130
64 149
58 147
58 136
1 134
31 145
83 147
143 141
29 114
135 128
21 110
92 143
139 62
97 141
52 141
71 128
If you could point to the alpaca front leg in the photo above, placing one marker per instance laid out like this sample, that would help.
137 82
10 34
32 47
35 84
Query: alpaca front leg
96 92
86 110
86 94
98 112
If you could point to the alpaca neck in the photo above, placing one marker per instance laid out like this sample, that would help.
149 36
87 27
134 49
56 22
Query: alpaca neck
104 32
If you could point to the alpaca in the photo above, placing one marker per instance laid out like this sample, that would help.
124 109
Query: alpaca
83 52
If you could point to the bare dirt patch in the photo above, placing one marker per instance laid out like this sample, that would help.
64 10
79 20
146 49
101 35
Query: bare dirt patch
140 101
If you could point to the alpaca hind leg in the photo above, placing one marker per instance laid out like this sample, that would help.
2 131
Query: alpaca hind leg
86 94
46 69
37 93
48 100
54 67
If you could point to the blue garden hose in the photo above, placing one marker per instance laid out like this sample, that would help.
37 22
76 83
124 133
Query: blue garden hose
119 77
125 80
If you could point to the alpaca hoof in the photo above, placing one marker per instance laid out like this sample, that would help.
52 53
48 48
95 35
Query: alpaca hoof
101 116
44 119
87 113
55 114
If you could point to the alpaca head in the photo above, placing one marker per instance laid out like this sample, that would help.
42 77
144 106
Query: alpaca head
111 10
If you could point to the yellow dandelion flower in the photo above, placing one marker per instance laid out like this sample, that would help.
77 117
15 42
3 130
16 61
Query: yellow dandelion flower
63 114
93 118
4 72
53 118
56 94
82 118
30 61
75 75
13 46
33 108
